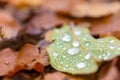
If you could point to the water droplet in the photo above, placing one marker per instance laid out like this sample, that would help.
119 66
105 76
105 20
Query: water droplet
54 54
112 47
66 38
73 51
64 56
67 58
66 65
100 57
88 56
111 41
84 38
106 58
64 48
87 44
61 62
76 32
76 44
108 53
81 65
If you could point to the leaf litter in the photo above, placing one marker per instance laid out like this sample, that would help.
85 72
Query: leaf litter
26 26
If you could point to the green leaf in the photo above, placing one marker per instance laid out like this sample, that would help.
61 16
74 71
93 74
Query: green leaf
75 51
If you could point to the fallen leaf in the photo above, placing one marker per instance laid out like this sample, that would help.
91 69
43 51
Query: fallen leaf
43 58
38 67
94 10
107 26
60 6
62 76
43 22
75 51
56 76
10 27
7 61
28 54
111 72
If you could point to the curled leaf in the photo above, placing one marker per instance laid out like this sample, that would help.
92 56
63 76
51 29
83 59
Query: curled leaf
75 51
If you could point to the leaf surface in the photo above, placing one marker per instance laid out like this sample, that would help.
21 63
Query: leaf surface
75 51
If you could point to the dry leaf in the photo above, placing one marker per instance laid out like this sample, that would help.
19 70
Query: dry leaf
110 72
60 6
62 76
10 27
43 22
27 54
107 26
94 10
7 61
43 58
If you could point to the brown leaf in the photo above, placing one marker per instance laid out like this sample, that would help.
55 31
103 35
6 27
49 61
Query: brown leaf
109 72
38 67
7 61
10 27
107 26
94 10
60 6
43 58
27 54
61 76
43 22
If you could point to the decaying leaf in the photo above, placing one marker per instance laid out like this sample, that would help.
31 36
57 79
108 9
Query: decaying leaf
107 26
7 61
94 9
10 27
109 72
57 76
27 54
43 58
43 22
75 51
27 59
63 76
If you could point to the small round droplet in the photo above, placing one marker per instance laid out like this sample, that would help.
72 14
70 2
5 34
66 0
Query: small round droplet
106 58
81 65
67 58
84 38
7 63
112 47
88 56
111 41
64 56
76 32
73 51
66 38
54 54
61 62
76 44
100 57
87 44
